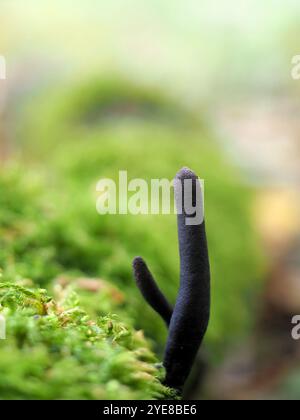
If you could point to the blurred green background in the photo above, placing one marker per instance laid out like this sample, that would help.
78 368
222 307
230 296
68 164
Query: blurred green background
149 87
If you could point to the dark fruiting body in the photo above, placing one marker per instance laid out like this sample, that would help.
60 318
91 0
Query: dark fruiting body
191 313
189 319
150 290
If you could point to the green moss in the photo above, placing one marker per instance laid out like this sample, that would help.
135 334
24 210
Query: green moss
54 350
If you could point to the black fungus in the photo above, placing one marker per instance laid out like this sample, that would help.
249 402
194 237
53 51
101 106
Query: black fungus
189 320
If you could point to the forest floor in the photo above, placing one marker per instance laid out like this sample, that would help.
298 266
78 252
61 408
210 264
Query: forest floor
263 138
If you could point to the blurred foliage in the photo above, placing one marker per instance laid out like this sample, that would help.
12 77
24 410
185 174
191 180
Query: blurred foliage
54 350
289 388
77 136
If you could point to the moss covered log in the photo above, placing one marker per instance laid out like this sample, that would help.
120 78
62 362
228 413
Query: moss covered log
84 133
51 235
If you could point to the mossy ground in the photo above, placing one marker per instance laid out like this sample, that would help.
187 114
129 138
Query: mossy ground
86 133
50 232
54 350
